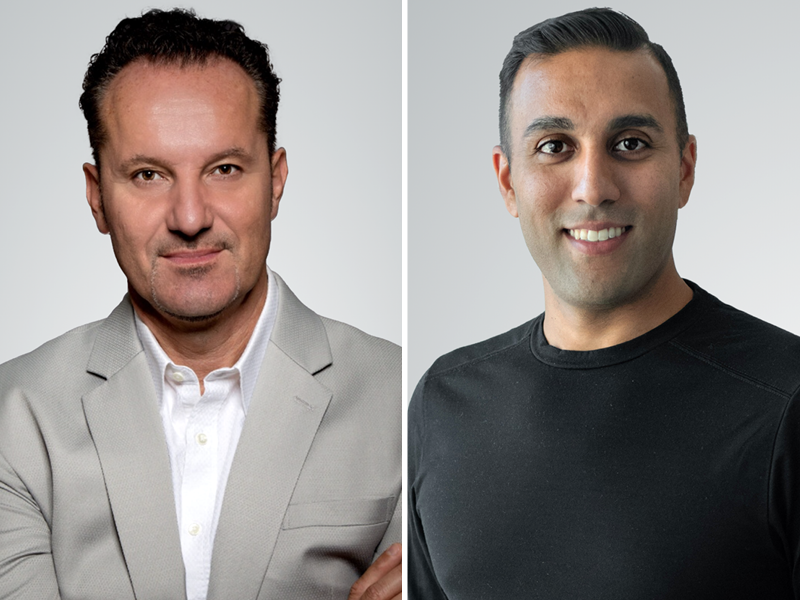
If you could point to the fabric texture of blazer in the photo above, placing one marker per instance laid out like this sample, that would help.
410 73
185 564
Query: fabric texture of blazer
86 504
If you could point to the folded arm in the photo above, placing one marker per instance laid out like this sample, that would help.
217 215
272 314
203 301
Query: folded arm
26 561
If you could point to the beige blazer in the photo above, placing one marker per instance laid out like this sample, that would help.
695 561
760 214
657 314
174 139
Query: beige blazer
86 504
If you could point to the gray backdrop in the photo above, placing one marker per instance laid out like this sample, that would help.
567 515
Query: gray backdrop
337 239
470 275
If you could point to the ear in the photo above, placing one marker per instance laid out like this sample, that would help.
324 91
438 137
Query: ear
280 171
92 176
688 162
502 169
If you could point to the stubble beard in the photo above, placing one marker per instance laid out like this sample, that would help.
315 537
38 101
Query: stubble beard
599 291
196 273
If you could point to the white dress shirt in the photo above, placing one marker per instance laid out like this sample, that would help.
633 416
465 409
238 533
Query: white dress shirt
202 433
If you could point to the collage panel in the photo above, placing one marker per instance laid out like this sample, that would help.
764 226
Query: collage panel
590 424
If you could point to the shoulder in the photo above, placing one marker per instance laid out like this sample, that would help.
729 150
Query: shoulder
40 400
744 346
348 342
473 369
56 361
363 365
314 340
488 351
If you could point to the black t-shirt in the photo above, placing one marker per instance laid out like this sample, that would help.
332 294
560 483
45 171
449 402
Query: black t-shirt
664 467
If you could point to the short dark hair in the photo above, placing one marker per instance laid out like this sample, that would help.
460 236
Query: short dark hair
177 37
601 27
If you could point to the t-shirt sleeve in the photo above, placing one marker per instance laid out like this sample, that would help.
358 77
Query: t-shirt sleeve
422 582
784 489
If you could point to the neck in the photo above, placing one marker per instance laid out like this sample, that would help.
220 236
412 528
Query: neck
206 345
571 327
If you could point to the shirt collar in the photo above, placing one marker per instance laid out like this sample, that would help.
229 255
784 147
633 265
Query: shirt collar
249 363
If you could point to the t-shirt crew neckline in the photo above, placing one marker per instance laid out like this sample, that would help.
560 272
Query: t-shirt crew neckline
604 357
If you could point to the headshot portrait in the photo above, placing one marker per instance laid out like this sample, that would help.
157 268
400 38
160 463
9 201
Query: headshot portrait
339 120
470 275
623 420
195 400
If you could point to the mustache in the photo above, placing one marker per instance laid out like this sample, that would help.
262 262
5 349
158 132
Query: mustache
206 242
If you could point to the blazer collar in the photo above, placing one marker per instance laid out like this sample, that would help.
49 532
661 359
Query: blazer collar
287 407
285 413
299 332
123 418
116 343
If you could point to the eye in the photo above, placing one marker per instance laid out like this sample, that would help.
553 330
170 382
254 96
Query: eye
552 147
147 175
630 145
226 169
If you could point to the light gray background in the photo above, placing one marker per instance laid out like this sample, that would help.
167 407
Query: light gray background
470 275
337 239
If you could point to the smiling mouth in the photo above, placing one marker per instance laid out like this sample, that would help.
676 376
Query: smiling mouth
590 235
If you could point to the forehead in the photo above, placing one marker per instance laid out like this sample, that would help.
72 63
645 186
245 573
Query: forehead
143 79
590 86
181 114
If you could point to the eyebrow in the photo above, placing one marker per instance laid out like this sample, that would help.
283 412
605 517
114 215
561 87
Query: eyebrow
549 123
639 121
232 152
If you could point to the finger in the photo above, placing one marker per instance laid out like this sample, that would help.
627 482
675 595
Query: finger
387 587
391 558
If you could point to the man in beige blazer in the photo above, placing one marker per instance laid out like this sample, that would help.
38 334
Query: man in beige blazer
93 447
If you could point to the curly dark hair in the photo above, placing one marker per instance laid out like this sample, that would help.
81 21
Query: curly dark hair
601 27
177 37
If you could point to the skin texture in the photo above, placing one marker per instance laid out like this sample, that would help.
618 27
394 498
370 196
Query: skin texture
188 195
593 145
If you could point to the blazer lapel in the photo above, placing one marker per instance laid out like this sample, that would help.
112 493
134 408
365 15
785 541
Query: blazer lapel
124 421
285 412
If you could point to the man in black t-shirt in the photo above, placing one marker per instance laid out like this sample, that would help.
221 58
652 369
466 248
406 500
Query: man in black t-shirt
640 438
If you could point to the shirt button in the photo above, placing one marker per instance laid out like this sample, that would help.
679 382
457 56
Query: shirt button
194 529
177 377
201 438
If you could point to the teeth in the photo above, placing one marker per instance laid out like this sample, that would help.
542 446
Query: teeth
591 235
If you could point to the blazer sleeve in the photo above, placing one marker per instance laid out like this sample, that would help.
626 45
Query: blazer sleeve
422 581
26 560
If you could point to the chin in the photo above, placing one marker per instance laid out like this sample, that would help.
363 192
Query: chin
195 296
599 295
191 318
194 308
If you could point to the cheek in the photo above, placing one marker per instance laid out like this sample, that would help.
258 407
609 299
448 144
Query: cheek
131 233
539 197
650 180
250 226
659 190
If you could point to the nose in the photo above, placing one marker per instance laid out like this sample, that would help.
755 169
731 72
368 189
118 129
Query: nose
594 179
190 212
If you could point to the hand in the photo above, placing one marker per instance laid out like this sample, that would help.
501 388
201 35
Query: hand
384 578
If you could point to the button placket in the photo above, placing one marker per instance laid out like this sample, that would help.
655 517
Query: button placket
200 475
